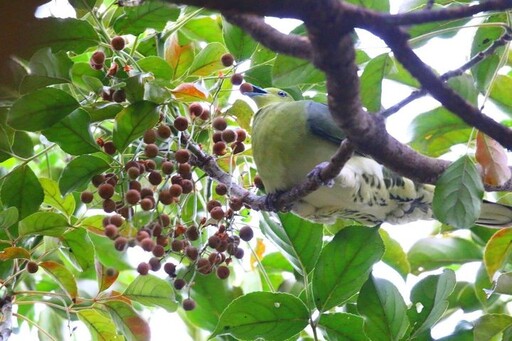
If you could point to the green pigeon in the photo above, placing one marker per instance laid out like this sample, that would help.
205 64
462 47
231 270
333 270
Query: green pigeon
290 138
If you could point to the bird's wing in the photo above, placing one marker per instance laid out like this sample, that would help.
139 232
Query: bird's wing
321 124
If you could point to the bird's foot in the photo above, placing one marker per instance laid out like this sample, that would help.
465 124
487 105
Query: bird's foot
272 203
316 175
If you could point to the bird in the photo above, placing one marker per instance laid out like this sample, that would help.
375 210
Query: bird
291 137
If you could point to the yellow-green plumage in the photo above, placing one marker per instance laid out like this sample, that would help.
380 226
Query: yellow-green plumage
290 138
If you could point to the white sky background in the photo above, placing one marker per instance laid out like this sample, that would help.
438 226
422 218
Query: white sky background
442 57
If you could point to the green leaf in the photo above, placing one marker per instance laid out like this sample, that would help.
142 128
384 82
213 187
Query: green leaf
464 296
8 217
62 276
212 296
22 146
103 111
108 255
79 249
432 253
131 325
497 251
152 291
383 309
243 113
99 324
204 28
53 197
491 325
371 81
72 134
80 171
342 327
486 70
290 71
22 190
500 92
40 109
82 7
394 255
377 5
46 68
430 300
208 60
86 77
157 66
62 35
272 316
344 265
436 131
502 285
299 239
133 121
150 14
458 194
239 44
44 223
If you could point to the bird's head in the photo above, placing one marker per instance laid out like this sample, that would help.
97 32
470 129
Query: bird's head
263 97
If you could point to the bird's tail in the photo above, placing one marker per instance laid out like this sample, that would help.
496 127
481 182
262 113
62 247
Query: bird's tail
495 215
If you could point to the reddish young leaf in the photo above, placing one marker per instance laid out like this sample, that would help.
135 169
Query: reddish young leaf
189 92
13 253
493 159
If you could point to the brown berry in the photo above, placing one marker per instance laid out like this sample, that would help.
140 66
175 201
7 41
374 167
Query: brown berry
179 283
149 136
119 96
223 246
241 135
177 245
112 70
111 231
220 123
151 150
111 179
246 233
235 203
146 193
155 264
109 148
133 172
205 115
109 205
143 268
167 167
204 266
176 179
146 204
150 165
117 43
116 219
246 87
163 131
86 197
188 304
217 136
219 148
210 205
155 178
120 243
170 268
191 252
135 185
213 242
227 59
187 186
184 168
195 109
221 189
238 147
98 57
182 155
228 135
165 197
239 253
32 267
217 213
158 251
175 190
105 191
223 272
258 182
237 79
164 220
181 123
141 235
98 180
147 244
192 233
215 258
132 196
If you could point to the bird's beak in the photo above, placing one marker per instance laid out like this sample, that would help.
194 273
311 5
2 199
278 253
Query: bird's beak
256 91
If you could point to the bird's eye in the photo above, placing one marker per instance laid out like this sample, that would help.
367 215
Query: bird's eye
282 94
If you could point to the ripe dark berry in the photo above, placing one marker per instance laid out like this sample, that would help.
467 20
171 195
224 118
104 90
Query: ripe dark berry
213 242
135 185
176 179
164 220
165 197
111 231
223 272
147 244
116 219
146 193
221 189
155 178
246 87
239 253
155 264
117 43
112 70
119 96
98 57
170 268
132 196
188 304
191 252
258 182
179 283
109 205
111 179
151 150
235 203
246 233
215 258
217 136
98 180
204 266
211 204
158 251
146 204
205 115
182 155
237 79
150 165
177 245
149 136
175 190
86 197
106 94
141 235
143 268
219 148
133 172
195 109
223 246
181 123
228 135
105 191
227 59
109 148
192 233
184 168
241 135
238 147
187 186
217 213
32 267
163 131
220 123
120 243
167 167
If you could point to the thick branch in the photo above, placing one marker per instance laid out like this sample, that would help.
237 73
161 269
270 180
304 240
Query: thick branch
293 45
